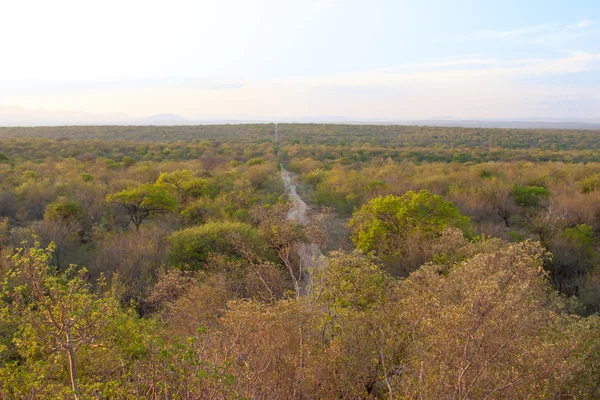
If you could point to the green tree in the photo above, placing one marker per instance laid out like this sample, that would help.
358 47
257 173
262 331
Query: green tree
54 312
183 184
128 161
573 258
401 229
63 210
192 246
350 281
530 196
144 201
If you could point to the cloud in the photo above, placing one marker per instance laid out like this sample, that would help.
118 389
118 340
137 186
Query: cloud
535 32
518 32
469 88
584 23
448 62
457 70
466 87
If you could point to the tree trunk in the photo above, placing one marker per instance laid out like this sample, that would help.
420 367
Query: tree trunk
72 364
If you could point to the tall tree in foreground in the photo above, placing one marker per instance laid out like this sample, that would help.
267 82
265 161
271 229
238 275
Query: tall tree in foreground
54 312
485 323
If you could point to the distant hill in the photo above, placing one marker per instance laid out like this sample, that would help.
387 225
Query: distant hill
165 118
20 116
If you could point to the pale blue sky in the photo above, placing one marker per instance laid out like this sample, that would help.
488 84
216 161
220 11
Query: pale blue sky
291 58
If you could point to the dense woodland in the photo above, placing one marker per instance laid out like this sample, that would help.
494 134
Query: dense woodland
160 262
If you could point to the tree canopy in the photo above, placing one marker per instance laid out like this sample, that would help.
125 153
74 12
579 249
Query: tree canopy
144 201
399 228
191 247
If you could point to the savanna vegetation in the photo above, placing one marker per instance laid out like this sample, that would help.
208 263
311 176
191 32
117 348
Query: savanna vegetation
160 262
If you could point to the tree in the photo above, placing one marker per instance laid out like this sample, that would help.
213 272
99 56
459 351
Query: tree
182 183
495 196
133 258
400 230
55 312
288 239
62 221
144 201
490 326
530 196
128 161
359 335
191 247
573 258
260 174
63 210
350 281
4 232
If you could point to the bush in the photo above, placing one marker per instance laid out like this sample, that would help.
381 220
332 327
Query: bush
530 196
260 174
192 246
400 230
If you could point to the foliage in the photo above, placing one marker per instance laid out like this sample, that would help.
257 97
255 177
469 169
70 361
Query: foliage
208 309
490 326
259 174
529 196
351 281
590 183
128 161
581 235
182 183
389 226
144 201
63 211
191 247
55 313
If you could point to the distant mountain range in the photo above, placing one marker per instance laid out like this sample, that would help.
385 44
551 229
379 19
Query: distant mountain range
162 118
19 116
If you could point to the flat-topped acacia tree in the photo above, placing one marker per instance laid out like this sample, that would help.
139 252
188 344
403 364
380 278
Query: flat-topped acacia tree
183 184
144 201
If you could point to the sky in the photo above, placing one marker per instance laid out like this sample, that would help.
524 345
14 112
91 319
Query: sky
269 59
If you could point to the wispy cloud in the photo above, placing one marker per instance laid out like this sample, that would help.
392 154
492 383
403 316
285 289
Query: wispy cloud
460 70
467 87
447 62
533 31
584 23
518 32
